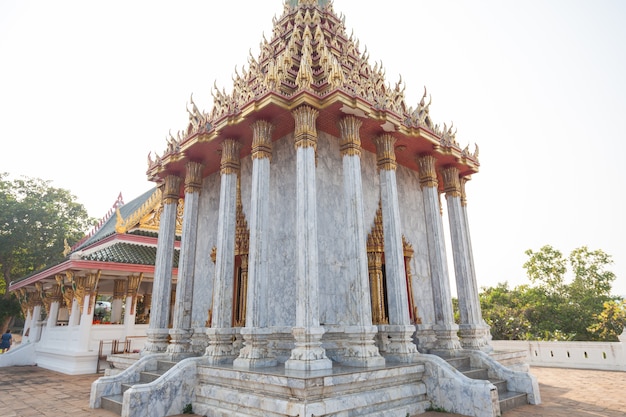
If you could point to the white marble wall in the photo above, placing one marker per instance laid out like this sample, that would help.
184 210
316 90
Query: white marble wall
333 274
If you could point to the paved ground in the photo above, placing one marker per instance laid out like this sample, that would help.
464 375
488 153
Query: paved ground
27 391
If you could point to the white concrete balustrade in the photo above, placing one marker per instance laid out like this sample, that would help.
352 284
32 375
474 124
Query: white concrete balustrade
610 356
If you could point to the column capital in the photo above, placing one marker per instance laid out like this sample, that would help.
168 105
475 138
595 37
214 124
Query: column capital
119 289
262 139
385 152
193 177
350 139
230 163
305 131
427 171
451 182
171 189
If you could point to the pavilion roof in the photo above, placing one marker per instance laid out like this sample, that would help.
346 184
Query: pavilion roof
125 238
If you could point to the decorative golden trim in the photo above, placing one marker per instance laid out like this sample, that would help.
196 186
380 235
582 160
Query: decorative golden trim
242 232
41 295
143 216
171 189
66 292
134 281
464 181
375 260
305 132
375 253
262 139
119 289
193 177
350 139
427 171
451 182
240 292
385 152
230 163
377 292
180 213
408 256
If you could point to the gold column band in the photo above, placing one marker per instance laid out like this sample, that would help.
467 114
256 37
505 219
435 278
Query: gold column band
230 163
451 182
350 138
171 189
262 139
305 132
427 172
193 177
385 152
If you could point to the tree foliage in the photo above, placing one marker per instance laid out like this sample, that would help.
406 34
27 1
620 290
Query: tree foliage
554 308
35 220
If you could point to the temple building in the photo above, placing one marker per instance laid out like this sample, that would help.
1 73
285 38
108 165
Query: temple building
97 300
312 270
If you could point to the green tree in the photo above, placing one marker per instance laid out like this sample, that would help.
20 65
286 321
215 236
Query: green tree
553 308
35 220
610 323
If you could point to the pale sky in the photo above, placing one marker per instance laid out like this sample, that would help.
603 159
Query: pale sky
88 88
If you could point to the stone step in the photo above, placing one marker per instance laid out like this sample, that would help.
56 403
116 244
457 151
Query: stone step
476 373
510 400
507 399
112 403
164 366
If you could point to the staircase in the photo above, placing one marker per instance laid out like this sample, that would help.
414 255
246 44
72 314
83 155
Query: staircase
114 402
507 399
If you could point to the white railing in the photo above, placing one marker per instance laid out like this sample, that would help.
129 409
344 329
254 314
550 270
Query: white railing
610 356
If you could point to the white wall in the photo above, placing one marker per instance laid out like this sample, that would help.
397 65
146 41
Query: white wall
610 356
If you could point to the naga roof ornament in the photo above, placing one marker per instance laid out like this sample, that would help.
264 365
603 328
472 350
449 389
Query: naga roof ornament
311 53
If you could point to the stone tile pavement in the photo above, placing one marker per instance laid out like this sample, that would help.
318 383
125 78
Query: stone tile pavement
27 391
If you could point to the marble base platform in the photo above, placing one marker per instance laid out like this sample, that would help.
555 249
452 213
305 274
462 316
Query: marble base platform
341 391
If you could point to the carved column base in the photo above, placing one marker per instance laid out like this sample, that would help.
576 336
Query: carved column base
308 355
199 341
424 337
180 344
156 342
475 337
397 342
447 343
362 350
255 353
221 349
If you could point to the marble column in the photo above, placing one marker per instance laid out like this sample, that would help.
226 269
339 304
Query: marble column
362 350
221 334
445 328
181 331
158 332
399 332
308 353
475 333
255 353
119 295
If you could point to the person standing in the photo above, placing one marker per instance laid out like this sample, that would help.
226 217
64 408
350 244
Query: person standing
6 341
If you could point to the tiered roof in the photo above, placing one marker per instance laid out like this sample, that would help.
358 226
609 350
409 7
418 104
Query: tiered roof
311 60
